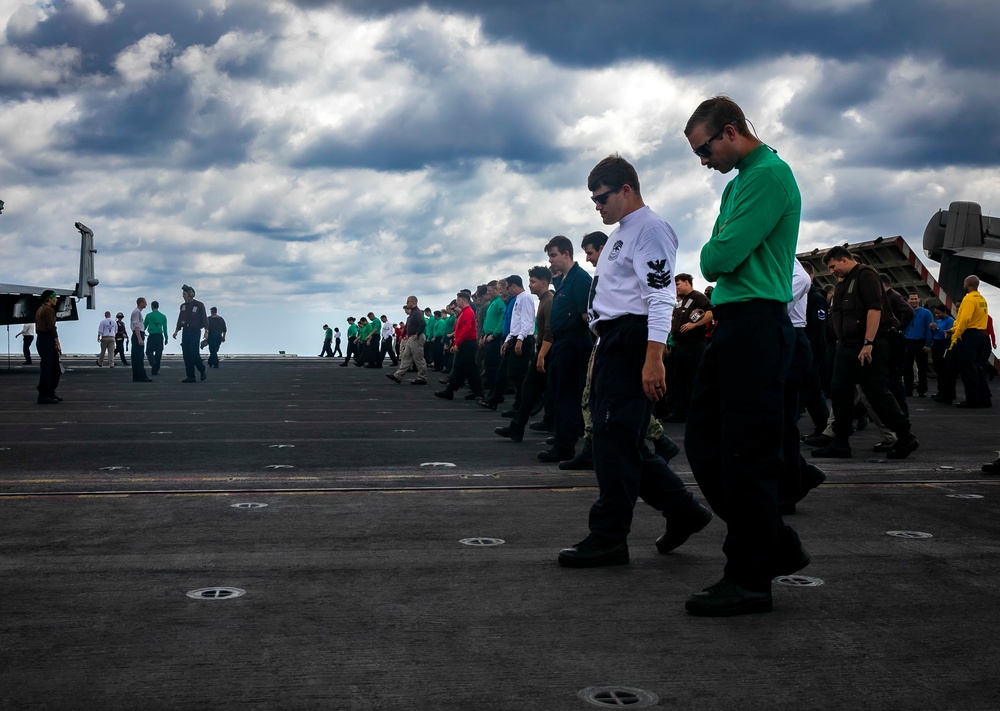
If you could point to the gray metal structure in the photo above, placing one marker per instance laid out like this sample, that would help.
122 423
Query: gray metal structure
965 243
18 303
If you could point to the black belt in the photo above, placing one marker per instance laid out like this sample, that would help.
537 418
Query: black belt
603 327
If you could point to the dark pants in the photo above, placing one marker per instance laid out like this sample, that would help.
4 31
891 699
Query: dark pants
214 343
138 360
897 356
28 340
336 348
465 369
915 353
120 350
790 481
491 364
684 358
973 349
327 350
48 377
387 349
513 368
943 369
495 391
437 353
351 346
624 466
533 389
154 351
190 340
733 437
568 357
373 351
875 379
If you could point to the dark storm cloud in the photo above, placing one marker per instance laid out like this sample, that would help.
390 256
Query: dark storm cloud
278 234
451 126
160 120
188 22
714 34
881 119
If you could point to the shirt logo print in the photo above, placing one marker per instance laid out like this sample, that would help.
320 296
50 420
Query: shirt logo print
615 250
658 277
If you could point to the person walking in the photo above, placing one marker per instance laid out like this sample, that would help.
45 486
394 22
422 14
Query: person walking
121 336
28 334
411 351
138 343
216 336
327 350
733 436
630 309
156 335
106 331
191 320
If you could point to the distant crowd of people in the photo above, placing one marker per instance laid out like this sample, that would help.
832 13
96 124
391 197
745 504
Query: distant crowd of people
739 365
147 335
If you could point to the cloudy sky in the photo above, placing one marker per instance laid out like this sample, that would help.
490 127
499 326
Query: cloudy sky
302 161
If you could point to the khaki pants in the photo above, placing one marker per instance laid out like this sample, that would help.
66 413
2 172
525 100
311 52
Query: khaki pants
410 353
107 345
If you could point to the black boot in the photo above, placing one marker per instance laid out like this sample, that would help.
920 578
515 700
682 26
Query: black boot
584 460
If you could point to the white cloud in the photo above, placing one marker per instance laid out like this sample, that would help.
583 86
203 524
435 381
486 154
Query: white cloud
40 69
144 59
258 235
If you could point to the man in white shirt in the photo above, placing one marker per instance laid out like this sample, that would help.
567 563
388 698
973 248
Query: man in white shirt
798 477
137 330
106 331
386 335
519 346
631 301
27 333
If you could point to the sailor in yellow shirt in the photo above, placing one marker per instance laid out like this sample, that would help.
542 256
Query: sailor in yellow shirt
971 346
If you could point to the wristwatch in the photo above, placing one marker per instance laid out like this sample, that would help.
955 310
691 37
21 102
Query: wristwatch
869 343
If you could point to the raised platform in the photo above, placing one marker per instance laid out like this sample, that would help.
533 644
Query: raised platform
359 595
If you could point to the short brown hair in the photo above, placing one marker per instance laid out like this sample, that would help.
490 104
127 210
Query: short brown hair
835 254
613 172
560 243
715 113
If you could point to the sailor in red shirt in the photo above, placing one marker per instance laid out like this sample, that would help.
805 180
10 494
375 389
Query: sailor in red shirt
464 349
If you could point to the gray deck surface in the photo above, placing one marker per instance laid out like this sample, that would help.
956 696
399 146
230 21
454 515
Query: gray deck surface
360 596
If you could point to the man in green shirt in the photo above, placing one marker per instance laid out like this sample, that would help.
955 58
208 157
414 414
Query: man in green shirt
733 439
155 325
491 337
352 341
327 351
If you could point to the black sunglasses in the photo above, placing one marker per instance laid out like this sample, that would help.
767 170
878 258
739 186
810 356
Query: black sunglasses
602 199
705 150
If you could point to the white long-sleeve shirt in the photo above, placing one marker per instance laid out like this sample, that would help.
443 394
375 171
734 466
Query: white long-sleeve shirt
800 295
522 319
635 273
387 330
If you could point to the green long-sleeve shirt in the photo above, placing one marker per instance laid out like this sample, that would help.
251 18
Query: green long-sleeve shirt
753 243
352 330
155 322
440 328
493 325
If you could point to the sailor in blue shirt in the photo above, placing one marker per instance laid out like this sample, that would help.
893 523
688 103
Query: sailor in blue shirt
940 339
918 345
